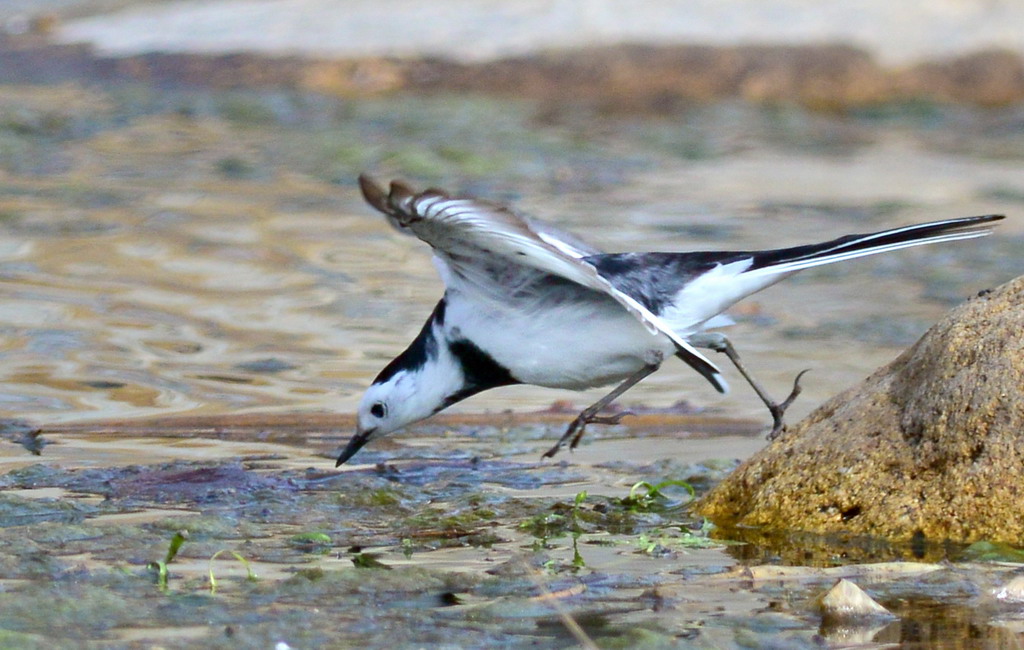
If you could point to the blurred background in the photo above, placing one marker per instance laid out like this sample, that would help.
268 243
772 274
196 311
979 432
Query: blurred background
180 229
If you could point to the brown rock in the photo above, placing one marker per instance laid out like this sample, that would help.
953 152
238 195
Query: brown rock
932 444
988 78
615 79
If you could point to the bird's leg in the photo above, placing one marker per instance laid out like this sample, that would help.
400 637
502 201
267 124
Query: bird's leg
590 415
721 343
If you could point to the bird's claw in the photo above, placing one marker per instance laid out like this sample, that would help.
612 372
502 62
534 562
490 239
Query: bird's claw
779 410
603 419
578 427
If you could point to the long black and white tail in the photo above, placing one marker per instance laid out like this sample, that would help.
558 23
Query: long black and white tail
717 280
797 258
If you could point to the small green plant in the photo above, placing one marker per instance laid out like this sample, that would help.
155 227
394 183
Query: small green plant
577 559
549 525
250 574
985 551
368 561
645 496
312 542
159 567
658 542
646 545
545 525
575 512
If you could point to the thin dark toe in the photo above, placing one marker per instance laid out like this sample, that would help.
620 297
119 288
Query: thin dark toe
778 411
797 389
550 453
574 431
615 418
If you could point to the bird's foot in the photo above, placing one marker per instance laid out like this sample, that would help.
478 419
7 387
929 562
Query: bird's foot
578 427
779 410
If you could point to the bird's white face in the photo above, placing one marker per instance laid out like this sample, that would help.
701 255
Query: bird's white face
407 395
393 404
386 407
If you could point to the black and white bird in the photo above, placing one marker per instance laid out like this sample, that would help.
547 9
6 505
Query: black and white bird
525 303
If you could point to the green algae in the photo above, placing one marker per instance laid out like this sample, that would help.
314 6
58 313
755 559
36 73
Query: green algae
466 515
15 511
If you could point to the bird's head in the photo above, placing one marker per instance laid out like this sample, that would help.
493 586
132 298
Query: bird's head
398 398
392 404
387 406
430 375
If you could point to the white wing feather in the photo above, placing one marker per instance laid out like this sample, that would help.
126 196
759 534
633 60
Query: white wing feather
465 230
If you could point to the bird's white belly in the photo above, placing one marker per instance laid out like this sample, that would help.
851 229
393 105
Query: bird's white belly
571 345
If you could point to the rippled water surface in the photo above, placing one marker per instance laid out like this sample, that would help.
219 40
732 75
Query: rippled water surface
206 254
165 254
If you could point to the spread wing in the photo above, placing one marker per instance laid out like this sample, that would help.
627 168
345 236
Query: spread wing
467 233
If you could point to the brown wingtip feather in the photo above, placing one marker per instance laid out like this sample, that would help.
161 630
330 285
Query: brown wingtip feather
373 193
400 192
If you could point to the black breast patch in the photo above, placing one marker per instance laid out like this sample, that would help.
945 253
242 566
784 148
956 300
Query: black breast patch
481 371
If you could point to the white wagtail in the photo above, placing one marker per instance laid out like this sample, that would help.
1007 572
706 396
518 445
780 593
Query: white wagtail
525 303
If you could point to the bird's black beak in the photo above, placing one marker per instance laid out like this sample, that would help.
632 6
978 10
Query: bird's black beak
354 445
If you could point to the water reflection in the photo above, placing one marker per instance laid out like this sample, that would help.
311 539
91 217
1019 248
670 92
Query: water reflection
147 277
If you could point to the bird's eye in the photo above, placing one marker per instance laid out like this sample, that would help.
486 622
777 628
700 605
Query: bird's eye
378 410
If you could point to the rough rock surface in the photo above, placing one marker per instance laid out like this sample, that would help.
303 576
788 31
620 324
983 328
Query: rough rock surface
932 444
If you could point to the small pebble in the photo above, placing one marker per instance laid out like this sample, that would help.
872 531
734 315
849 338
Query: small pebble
847 600
1012 591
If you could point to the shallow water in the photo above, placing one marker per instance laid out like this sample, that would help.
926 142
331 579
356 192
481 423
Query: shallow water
206 256
454 535
219 259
